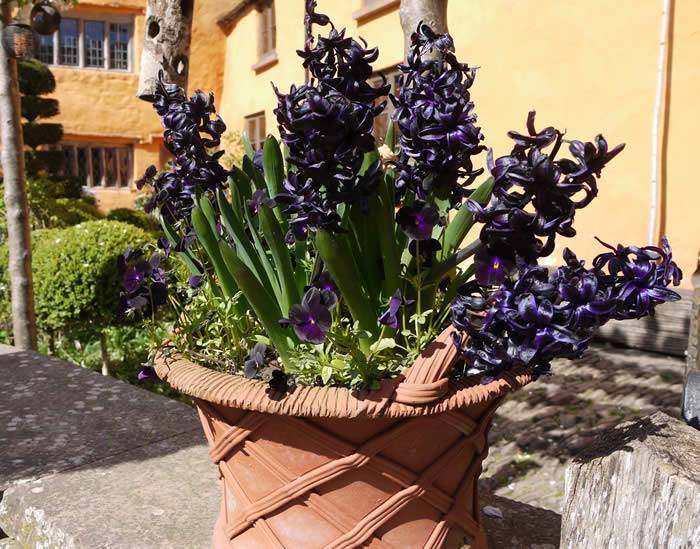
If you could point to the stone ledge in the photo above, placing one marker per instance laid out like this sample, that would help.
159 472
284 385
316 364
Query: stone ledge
89 461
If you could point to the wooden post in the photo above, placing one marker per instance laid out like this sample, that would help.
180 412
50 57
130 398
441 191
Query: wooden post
691 382
16 205
432 12
166 44
638 485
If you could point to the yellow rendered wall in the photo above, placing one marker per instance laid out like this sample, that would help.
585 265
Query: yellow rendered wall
586 67
101 106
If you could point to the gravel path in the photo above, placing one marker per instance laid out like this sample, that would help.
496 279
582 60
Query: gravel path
540 428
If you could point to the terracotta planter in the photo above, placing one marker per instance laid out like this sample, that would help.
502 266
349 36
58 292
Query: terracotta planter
328 467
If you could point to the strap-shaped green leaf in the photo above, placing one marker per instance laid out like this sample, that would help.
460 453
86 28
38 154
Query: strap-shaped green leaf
233 225
458 228
209 242
247 146
185 255
336 254
263 305
274 237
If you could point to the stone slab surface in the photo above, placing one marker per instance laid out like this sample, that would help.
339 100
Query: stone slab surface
55 416
89 461
129 500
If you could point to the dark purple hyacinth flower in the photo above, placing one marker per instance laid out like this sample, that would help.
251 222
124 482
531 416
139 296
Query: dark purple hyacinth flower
390 316
311 319
540 316
418 220
436 119
192 129
535 195
327 127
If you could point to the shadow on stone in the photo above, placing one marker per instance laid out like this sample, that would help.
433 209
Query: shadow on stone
56 416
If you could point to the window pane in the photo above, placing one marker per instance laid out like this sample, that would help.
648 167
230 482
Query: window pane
119 46
96 166
46 49
94 44
83 165
68 42
124 166
110 167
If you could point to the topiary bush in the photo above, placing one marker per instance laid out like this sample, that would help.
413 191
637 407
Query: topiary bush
136 218
36 81
75 276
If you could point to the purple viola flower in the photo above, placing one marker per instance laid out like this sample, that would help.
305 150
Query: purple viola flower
390 316
418 220
195 281
311 319
427 250
255 360
324 282
132 279
165 245
492 266
260 198
436 118
147 373
144 282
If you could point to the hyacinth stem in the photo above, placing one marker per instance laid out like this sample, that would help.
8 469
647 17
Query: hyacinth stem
336 254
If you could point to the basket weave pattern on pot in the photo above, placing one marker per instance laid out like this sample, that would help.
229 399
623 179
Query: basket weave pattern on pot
323 467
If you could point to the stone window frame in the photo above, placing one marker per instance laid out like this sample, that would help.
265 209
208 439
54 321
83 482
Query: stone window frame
252 124
51 43
267 35
122 159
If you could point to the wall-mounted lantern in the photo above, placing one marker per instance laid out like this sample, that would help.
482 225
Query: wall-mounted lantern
19 40
45 17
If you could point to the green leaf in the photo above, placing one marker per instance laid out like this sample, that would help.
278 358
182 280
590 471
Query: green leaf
273 168
209 242
336 253
263 305
458 228
186 255
208 209
326 374
247 146
382 344
246 251
274 237
241 190
253 174
390 138
263 255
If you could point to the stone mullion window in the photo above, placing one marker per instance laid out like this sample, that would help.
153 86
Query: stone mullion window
113 51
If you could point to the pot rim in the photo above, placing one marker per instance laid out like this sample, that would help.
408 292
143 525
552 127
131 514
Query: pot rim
235 391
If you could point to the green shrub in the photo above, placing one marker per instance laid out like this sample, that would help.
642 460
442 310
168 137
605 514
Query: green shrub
136 218
76 278
76 282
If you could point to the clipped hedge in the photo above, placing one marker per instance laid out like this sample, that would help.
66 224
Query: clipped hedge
75 273
137 218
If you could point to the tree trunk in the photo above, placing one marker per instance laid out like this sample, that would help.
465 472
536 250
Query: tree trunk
432 12
635 486
104 353
166 45
16 205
